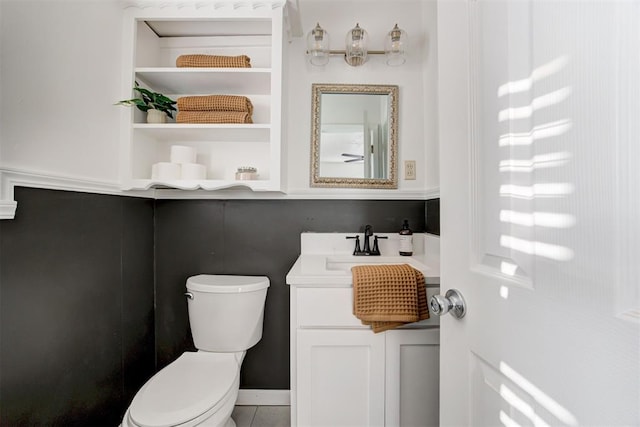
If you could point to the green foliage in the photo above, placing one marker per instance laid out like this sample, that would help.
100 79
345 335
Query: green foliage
150 101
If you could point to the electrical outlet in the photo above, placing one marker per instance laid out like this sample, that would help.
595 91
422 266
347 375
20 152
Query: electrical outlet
409 169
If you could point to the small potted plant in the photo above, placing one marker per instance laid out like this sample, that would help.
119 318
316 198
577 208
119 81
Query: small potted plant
156 105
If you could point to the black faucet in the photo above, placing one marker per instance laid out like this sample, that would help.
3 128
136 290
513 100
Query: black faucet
367 250
368 232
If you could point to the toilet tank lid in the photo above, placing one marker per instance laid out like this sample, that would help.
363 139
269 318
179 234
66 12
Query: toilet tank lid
226 284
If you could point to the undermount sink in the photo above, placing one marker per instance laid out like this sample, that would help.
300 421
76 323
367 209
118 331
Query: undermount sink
344 263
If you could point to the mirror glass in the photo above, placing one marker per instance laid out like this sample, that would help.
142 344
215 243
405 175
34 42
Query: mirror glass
354 136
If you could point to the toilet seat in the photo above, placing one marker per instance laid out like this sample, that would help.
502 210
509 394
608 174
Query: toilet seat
194 384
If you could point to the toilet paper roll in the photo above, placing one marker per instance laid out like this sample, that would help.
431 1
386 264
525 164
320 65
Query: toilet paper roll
183 154
194 171
165 171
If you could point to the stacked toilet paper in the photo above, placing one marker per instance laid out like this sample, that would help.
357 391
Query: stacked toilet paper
182 165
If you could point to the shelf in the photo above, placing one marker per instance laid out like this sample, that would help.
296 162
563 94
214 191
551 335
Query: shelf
236 81
208 184
204 132
149 57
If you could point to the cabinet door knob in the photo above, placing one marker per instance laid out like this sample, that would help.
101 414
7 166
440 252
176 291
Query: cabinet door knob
452 302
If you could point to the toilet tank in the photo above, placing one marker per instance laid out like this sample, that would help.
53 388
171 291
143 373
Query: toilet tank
226 312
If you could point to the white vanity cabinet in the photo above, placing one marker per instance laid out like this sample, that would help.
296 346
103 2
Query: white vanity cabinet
412 377
342 374
340 378
155 34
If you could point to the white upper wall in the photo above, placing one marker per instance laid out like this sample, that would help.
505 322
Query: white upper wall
60 77
61 74
417 133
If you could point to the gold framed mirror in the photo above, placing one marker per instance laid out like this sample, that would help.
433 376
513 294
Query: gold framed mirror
354 136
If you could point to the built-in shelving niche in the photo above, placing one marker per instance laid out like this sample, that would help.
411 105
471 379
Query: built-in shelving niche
154 38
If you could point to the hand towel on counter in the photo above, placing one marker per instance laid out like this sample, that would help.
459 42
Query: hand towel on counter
218 117
213 61
215 103
388 296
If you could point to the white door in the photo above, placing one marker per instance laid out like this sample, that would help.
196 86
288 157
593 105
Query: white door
540 196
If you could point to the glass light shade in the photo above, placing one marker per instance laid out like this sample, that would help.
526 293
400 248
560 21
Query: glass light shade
395 46
318 46
356 46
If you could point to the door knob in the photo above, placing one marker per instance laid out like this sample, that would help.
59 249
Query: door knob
452 302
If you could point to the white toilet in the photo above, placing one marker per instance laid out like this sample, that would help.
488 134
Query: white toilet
200 388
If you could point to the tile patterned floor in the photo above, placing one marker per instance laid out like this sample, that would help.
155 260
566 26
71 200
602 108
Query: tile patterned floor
262 416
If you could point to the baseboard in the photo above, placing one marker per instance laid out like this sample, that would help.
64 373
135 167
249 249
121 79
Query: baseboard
264 397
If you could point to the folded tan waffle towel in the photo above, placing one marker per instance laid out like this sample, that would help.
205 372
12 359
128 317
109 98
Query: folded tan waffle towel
213 61
213 117
388 296
215 103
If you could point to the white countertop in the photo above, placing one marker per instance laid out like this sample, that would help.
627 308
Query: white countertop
326 258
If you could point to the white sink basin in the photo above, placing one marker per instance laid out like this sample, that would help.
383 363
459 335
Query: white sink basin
326 258
344 263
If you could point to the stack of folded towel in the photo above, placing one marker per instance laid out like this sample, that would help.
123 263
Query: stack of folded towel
388 296
214 109
213 61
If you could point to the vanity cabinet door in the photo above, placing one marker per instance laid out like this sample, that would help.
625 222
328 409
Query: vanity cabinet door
412 377
340 378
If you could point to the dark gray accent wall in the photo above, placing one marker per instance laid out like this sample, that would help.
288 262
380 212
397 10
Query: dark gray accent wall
251 237
433 216
82 324
76 307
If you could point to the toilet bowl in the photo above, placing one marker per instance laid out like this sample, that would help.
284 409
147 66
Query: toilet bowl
200 388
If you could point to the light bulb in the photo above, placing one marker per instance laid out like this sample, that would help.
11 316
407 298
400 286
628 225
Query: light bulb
395 46
356 46
318 46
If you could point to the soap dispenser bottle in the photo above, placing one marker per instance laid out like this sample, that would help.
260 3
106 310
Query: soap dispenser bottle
406 239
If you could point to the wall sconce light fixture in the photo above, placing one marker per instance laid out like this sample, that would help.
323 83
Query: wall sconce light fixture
356 46
318 46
